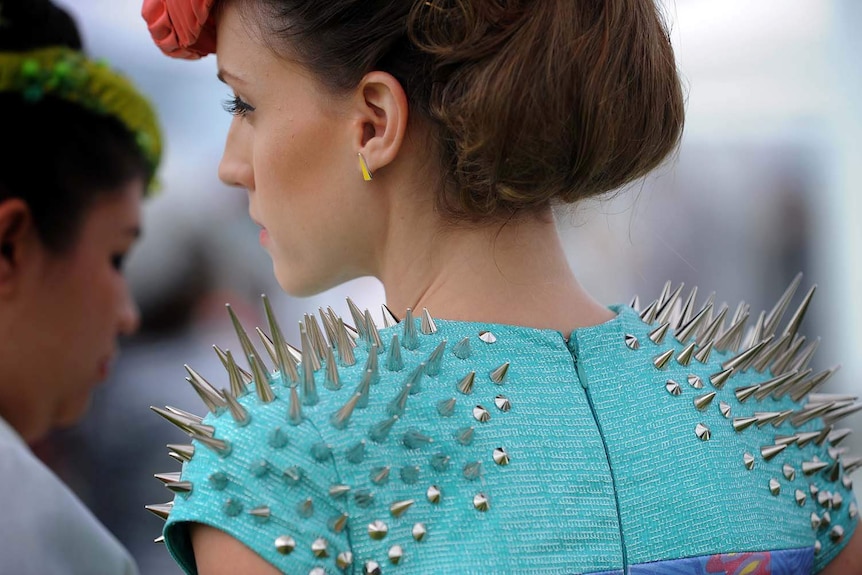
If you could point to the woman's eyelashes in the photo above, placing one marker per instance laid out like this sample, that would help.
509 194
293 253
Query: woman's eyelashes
237 106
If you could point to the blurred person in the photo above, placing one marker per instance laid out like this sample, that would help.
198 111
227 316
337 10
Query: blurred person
533 429
78 150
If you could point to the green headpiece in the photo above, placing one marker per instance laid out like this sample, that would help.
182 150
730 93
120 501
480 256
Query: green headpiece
69 75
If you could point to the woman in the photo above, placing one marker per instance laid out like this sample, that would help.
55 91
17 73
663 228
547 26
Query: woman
532 430
65 228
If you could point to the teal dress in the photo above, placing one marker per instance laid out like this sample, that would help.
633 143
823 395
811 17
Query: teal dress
667 440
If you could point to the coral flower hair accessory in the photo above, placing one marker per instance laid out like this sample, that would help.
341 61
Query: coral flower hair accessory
181 28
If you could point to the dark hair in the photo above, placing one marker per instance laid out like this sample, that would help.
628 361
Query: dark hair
55 155
532 102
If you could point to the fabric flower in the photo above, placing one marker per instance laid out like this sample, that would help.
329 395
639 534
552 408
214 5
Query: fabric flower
181 28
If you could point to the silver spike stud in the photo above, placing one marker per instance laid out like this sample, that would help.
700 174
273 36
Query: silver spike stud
795 321
487 336
695 381
837 436
394 362
812 467
363 390
395 554
247 347
380 475
415 379
774 486
742 360
501 457
294 410
183 423
719 379
310 364
267 345
237 382
377 530
409 338
684 357
446 407
399 508
222 355
788 471
337 523
344 560
702 432
748 461
743 423
399 402
702 355
433 495
701 402
774 316
419 531
344 345
481 414
472 470
724 408
687 331
380 431
673 387
660 361
371 567
435 360
465 435
160 510
181 452
687 309
800 497
851 464
171 477
261 380
498 375
414 439
208 394
220 447
836 535
305 508
707 336
373 333
462 349
428 325
481 502
648 313
358 319
320 548
261 514
503 403
465 386
389 318
657 335
340 418
632 342
238 412
331 380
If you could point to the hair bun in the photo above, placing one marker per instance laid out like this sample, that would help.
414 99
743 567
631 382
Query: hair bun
33 24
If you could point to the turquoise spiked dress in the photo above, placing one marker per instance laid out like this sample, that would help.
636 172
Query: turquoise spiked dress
667 440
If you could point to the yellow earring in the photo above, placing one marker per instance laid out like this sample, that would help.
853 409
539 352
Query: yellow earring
366 173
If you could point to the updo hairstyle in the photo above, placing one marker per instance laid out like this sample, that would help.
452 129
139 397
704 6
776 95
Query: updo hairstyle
531 102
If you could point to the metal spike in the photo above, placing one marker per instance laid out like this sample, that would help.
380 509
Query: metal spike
399 508
673 387
340 418
703 354
836 535
415 379
310 358
701 402
498 375
657 335
221 447
838 435
462 349
380 475
222 355
774 317
729 340
331 380
472 470
786 439
812 467
414 439
688 330
465 386
815 522
371 364
238 412
660 361
261 380
765 417
380 431
742 360
755 334
464 436
821 437
805 356
702 432
631 341
807 387
684 356
183 423
181 452
389 318
428 325
748 461
393 360
648 314
793 384
320 548
833 472
768 387
395 554
419 531
666 307
377 530
338 491
839 414
500 456
247 347
193 418
180 487
399 403
237 384
363 390
800 497
481 414
695 381
781 363
373 333
336 525
742 423
774 487
743 393
769 354
719 379
795 321
487 337
435 360
208 394
329 326
358 319
481 502
267 345
807 414
803 439
309 386
283 359
285 544
344 345
446 407
315 336
635 304
294 411
708 334
433 494
440 462
171 477
160 510
770 451
410 339
687 310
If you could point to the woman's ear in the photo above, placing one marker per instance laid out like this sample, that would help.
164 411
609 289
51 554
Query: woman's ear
382 115
16 226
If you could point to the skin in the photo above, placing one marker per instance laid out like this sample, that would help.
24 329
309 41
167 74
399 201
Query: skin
66 311
293 147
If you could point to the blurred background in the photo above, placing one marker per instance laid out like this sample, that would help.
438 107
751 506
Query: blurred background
766 183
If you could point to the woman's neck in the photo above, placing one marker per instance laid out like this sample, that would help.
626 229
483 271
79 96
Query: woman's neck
514 273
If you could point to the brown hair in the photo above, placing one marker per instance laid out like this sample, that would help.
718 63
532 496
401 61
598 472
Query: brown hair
532 102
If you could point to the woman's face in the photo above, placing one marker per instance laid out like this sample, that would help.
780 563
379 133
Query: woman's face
293 146
70 311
